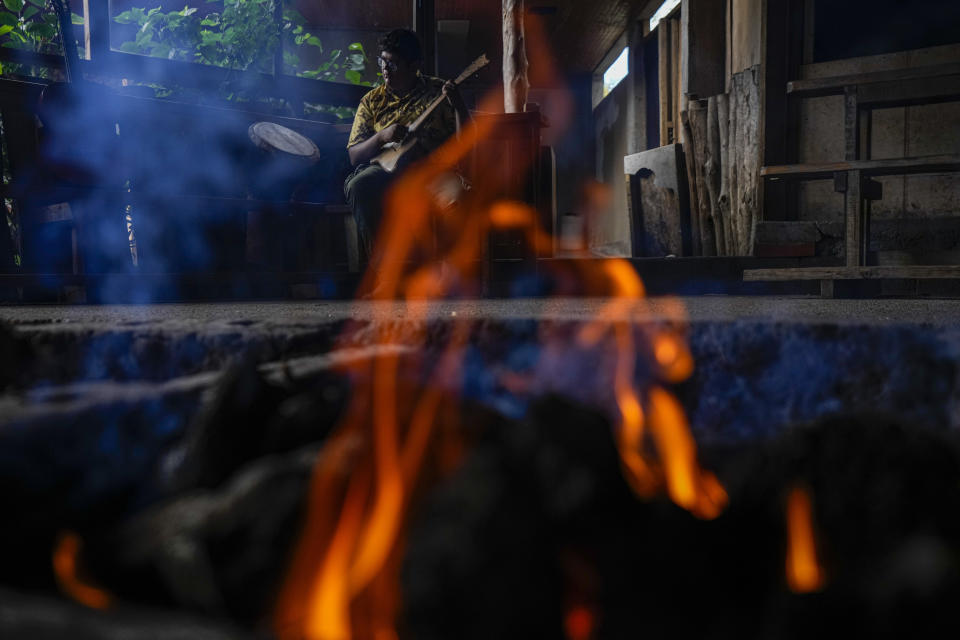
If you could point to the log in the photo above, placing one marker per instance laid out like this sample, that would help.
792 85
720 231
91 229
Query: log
723 200
696 234
696 137
515 81
711 168
746 154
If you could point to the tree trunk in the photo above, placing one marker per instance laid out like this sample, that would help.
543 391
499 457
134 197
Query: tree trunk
515 82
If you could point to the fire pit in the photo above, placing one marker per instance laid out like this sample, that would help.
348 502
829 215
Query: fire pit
176 500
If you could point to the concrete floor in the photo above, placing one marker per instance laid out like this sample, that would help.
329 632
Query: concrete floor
805 310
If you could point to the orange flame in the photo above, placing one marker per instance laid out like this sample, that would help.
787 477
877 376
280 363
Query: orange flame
804 572
66 568
579 622
343 576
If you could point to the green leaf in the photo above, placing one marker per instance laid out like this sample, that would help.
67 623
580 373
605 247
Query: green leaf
31 11
335 54
75 19
356 46
5 29
353 76
315 41
135 15
38 3
9 18
13 5
187 11
41 30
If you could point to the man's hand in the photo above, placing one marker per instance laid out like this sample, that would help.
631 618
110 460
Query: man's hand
393 133
452 93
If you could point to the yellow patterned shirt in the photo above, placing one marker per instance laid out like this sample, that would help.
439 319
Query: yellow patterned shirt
381 107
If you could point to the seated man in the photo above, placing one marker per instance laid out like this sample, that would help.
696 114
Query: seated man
382 117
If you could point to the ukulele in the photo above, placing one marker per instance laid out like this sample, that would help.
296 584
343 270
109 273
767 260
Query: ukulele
392 153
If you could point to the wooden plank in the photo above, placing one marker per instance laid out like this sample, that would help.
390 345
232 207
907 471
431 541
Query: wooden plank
893 166
663 78
705 46
657 197
854 214
919 272
907 92
677 98
835 85
851 124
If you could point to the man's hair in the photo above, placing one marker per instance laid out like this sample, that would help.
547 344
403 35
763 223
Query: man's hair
402 42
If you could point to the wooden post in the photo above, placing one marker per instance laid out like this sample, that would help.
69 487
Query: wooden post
711 169
425 24
96 30
515 82
663 76
723 200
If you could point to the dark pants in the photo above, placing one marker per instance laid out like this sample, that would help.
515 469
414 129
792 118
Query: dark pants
365 189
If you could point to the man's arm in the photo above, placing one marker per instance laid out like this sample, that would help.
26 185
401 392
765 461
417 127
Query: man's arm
368 149
460 110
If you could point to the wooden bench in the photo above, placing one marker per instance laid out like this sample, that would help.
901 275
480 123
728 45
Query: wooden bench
190 180
853 176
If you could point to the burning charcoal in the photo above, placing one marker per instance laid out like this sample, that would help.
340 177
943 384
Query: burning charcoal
220 551
886 500
249 415
538 518
33 617
489 554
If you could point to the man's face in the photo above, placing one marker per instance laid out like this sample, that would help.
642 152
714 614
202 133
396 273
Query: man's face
398 74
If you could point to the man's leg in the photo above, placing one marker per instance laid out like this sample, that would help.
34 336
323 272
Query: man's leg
364 190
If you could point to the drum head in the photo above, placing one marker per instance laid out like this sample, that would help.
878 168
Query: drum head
280 139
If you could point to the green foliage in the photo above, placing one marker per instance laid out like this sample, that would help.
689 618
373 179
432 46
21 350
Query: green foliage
243 36
30 25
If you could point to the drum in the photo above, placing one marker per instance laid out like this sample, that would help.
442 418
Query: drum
282 162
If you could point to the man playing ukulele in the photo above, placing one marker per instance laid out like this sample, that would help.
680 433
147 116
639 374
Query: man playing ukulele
382 118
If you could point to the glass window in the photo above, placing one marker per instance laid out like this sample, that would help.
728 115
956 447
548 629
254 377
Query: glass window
616 71
235 34
32 26
665 10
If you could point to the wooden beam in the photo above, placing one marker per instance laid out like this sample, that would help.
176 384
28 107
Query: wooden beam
515 81
890 272
835 85
892 167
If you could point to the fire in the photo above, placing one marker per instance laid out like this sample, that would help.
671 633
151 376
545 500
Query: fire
343 576
804 572
66 568
579 623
